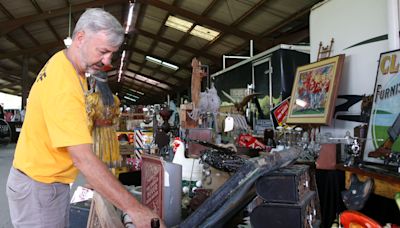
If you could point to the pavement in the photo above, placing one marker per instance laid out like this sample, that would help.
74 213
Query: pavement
6 158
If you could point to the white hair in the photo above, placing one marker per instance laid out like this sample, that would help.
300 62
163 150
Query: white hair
94 20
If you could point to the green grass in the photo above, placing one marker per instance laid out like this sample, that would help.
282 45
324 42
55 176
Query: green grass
382 112
319 111
381 133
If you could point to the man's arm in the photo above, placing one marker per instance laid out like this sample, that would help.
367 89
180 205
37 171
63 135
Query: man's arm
102 180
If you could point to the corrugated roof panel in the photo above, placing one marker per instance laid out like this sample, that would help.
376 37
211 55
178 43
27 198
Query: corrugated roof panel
3 17
19 8
5 44
172 34
183 74
221 48
231 40
61 25
172 81
195 42
289 6
149 69
181 56
136 57
21 39
159 76
152 21
133 66
162 50
259 22
46 5
229 11
143 42
42 33
195 6
9 64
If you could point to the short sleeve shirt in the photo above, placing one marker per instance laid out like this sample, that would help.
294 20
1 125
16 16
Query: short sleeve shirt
55 119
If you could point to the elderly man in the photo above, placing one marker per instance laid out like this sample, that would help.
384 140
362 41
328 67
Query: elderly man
55 141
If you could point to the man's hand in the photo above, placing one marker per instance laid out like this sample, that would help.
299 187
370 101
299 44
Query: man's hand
96 174
141 217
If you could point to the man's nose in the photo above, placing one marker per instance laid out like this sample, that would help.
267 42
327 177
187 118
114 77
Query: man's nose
107 59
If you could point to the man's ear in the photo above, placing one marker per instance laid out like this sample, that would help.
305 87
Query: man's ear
79 38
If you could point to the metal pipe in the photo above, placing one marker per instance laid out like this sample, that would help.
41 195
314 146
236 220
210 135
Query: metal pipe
251 48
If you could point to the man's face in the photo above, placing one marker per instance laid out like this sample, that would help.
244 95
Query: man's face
95 51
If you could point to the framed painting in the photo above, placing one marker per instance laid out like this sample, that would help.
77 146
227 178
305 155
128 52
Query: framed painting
314 92
384 123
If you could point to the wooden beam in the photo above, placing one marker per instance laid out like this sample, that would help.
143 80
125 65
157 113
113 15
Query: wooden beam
11 25
39 9
33 50
297 15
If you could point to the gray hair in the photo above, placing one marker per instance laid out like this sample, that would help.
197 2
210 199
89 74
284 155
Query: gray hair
95 20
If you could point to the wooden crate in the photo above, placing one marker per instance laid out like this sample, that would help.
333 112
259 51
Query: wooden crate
185 120
103 214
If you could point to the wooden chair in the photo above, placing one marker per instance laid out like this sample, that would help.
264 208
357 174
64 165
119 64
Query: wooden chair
324 52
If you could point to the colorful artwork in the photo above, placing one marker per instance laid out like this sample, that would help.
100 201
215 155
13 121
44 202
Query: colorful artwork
314 91
384 125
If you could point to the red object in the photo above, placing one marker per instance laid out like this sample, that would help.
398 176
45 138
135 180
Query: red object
152 179
281 112
131 138
135 164
353 218
106 68
249 141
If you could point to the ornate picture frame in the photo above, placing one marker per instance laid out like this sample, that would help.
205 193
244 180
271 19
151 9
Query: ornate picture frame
314 92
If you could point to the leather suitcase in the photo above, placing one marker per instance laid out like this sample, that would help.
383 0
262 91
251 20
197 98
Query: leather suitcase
286 185
278 215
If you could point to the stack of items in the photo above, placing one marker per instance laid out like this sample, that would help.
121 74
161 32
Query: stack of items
288 200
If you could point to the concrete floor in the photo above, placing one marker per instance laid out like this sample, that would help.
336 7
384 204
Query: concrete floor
6 158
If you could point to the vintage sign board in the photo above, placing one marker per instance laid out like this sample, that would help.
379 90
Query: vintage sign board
279 113
153 183
384 124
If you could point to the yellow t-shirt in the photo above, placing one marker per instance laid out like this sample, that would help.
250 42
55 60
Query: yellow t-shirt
55 118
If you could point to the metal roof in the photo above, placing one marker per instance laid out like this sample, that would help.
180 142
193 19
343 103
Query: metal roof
33 30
